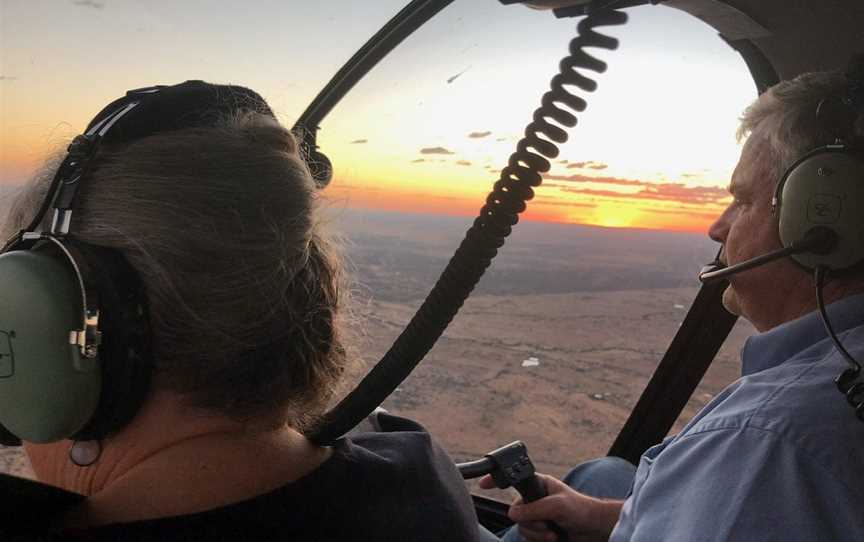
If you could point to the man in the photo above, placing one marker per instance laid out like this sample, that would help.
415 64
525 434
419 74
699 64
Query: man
779 454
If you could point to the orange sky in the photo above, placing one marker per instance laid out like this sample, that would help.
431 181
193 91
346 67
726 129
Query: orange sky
429 128
551 204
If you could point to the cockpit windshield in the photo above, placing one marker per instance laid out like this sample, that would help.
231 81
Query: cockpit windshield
564 330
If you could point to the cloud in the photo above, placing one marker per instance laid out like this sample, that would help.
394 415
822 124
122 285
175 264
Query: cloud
696 195
563 161
578 178
359 141
666 191
8 78
501 139
435 150
552 202
589 164
683 211
417 161
478 135
89 4
463 163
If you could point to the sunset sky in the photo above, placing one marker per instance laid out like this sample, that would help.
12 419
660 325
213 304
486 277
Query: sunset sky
429 129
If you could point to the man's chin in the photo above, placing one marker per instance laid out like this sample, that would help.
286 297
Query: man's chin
730 301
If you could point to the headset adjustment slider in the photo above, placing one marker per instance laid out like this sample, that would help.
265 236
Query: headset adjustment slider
80 147
88 339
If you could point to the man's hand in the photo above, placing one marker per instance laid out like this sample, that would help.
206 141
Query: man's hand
584 518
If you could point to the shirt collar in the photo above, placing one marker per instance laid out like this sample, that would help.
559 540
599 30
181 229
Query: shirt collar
770 349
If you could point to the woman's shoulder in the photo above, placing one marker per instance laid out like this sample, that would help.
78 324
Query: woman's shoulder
397 485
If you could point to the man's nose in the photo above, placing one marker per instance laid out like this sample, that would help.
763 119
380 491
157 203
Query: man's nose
720 228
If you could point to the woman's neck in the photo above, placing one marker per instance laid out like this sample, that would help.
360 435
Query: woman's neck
171 461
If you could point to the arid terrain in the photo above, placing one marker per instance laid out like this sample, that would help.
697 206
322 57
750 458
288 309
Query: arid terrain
555 346
531 368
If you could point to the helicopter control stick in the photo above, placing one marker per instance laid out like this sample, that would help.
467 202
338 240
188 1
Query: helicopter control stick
510 466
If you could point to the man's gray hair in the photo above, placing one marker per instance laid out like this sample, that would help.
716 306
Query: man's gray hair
785 116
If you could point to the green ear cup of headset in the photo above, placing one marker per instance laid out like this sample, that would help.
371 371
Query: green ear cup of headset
825 189
48 391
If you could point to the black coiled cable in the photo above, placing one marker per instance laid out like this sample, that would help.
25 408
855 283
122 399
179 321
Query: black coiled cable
488 232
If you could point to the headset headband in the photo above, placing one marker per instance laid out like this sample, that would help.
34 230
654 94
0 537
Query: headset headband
855 77
140 113
838 115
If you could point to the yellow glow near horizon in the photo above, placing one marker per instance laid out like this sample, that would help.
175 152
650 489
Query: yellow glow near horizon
615 216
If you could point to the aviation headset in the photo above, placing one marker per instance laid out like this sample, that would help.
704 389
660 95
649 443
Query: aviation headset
823 191
75 342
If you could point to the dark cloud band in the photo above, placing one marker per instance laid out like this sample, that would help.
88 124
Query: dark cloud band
435 150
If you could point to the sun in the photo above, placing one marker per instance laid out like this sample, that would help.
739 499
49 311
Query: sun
615 215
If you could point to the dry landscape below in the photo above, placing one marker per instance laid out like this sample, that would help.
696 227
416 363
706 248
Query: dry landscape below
559 372
555 346
553 349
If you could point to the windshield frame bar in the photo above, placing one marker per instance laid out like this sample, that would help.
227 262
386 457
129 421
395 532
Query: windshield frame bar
402 25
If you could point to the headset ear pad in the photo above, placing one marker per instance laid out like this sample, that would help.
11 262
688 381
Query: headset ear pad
48 390
825 188
125 352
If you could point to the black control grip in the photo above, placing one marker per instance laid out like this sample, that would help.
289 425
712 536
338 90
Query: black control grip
511 467
532 489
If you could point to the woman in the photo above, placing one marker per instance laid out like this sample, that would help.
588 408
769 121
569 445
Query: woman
206 201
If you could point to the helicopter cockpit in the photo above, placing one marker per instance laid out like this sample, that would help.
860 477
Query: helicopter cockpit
571 152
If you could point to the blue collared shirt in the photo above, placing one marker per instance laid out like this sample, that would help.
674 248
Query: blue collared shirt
778 455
